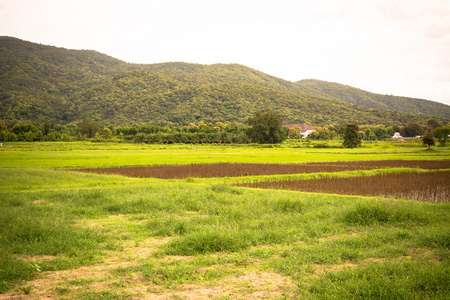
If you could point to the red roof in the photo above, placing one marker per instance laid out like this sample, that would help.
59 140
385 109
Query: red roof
303 126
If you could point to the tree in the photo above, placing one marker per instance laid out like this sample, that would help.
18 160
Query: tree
351 135
46 127
412 130
88 127
428 139
295 132
22 128
12 137
2 126
266 128
380 133
367 134
28 136
106 133
323 134
433 124
314 136
442 134
38 136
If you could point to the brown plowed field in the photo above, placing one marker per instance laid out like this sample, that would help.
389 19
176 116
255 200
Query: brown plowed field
428 187
240 169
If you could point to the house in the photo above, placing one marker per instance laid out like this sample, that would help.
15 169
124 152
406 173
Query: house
397 136
305 129
402 139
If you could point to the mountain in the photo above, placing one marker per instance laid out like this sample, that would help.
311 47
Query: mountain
39 82
359 97
215 93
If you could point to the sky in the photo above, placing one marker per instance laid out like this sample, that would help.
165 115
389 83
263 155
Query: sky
394 47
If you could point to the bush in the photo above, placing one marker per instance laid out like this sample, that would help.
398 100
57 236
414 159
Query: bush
321 145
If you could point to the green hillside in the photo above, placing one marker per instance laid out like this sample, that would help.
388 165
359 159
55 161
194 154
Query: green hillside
359 97
40 83
37 81
162 98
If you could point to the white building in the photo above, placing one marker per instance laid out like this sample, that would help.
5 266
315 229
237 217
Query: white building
397 136
304 128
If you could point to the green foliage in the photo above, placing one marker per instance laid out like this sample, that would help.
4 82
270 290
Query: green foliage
433 124
428 139
106 133
412 130
295 132
21 128
88 127
367 99
267 128
42 83
351 136
442 134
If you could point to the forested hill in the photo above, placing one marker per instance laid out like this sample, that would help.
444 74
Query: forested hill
359 97
40 83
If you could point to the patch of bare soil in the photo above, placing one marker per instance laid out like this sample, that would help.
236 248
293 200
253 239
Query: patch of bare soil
38 202
97 277
264 285
71 284
47 285
241 169
339 236
319 270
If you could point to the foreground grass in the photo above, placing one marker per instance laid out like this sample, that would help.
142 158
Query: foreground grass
176 238
71 235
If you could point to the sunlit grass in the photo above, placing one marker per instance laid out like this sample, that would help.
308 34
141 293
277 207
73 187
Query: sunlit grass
85 154
147 237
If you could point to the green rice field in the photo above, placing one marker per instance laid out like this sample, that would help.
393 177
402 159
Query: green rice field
67 234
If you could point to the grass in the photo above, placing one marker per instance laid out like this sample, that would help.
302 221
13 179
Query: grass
87 154
388 280
89 236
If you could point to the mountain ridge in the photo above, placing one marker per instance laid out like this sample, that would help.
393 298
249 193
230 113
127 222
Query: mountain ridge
39 82
358 96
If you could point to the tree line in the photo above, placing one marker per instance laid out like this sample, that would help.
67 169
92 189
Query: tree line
194 133
264 127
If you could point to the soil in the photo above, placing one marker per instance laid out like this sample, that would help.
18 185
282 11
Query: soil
240 169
